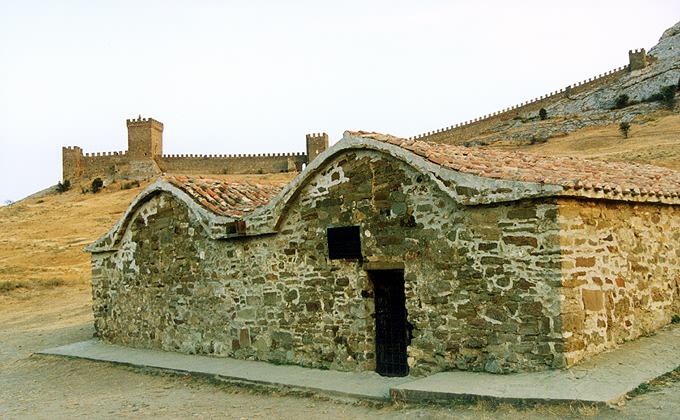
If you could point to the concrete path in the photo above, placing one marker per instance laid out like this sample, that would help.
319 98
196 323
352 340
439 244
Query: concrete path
604 380
364 385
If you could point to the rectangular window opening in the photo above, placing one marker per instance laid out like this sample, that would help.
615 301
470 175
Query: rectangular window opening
344 243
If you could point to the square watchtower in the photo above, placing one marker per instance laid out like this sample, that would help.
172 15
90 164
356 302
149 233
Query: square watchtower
637 59
316 143
145 138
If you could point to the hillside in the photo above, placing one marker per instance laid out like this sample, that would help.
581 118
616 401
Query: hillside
644 83
43 238
654 141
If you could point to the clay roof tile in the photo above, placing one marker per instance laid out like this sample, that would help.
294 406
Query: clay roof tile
231 199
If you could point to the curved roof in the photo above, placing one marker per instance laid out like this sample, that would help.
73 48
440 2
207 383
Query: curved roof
470 176
215 204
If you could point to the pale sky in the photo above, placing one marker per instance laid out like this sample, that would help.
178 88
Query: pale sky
256 76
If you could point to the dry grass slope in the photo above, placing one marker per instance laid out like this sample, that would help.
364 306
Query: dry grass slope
43 238
654 142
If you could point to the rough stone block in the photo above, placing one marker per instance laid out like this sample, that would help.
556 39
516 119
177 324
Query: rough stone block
585 261
593 300
270 298
522 213
244 338
531 241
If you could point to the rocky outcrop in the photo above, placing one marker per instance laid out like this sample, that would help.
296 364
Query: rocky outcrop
592 102
663 70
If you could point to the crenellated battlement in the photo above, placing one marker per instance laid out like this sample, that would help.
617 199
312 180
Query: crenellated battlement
316 136
258 163
104 154
233 156
144 157
139 121
75 149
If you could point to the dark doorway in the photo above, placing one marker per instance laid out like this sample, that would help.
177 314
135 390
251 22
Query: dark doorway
392 332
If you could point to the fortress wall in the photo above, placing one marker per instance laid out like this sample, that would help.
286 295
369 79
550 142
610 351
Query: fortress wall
103 164
78 165
472 128
144 158
233 164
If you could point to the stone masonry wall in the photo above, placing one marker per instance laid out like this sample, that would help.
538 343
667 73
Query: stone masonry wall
77 165
245 164
104 165
621 270
71 162
482 282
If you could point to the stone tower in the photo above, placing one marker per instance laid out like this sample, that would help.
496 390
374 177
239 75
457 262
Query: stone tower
71 163
316 144
637 59
145 139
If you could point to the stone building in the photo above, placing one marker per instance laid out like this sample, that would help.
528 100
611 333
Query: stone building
398 256
144 158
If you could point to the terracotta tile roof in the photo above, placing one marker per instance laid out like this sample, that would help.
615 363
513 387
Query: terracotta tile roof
568 172
231 199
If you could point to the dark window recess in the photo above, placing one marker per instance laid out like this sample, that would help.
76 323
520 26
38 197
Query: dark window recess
344 243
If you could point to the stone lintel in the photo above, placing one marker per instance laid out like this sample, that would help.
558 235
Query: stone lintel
383 265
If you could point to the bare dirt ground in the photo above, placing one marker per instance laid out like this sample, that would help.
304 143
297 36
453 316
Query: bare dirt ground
45 302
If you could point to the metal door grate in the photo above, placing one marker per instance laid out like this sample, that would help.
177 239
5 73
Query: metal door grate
391 327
